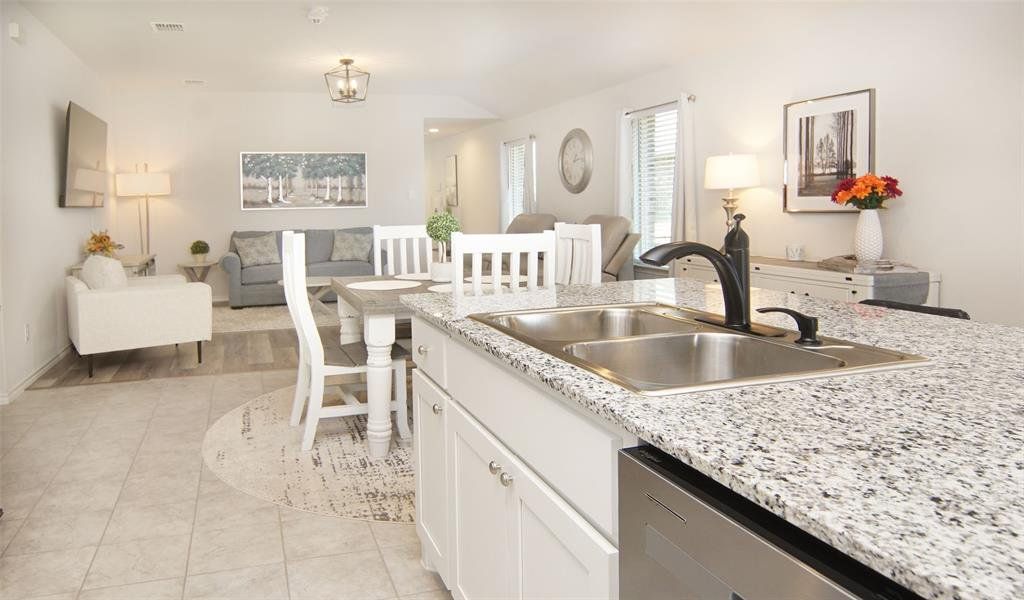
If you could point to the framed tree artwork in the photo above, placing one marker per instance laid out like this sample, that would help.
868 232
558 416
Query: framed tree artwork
451 180
291 180
826 140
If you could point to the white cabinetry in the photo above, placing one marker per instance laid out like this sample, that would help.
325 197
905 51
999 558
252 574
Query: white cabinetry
506 510
429 406
513 536
806 279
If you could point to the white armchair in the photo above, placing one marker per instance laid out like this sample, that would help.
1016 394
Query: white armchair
148 311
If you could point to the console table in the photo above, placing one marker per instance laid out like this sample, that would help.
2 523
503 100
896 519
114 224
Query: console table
806 278
138 265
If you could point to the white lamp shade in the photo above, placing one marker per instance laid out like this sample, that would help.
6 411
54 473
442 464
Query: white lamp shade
731 171
90 180
142 184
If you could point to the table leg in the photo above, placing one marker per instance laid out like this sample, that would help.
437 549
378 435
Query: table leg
316 297
351 323
379 334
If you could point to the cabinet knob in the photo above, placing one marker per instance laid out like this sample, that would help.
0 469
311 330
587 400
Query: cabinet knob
493 467
436 408
505 479
422 350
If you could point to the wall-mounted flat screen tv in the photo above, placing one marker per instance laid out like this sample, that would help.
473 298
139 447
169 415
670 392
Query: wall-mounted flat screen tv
85 178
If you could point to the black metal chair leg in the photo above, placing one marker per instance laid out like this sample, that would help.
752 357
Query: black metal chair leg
199 350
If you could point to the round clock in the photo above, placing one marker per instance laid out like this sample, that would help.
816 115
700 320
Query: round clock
576 161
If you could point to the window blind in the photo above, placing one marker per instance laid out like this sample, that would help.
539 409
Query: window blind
654 164
518 168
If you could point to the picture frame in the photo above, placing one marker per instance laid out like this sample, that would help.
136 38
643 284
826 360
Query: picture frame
451 180
825 140
302 180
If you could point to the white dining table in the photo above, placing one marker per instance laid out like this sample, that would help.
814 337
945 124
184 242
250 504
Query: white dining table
371 315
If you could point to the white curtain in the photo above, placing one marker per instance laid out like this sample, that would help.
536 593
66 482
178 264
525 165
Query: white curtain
623 166
684 208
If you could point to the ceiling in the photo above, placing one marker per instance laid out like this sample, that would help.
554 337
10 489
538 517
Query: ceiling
508 58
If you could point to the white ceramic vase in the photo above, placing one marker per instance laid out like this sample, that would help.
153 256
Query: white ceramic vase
441 271
199 258
867 241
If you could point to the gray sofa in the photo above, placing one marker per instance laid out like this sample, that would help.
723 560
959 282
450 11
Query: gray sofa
257 285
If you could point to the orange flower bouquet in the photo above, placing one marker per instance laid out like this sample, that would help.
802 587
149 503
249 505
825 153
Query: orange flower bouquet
100 242
866 192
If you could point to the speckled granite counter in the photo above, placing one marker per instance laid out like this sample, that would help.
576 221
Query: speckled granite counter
918 473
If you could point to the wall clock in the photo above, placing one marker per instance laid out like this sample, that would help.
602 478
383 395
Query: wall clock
576 161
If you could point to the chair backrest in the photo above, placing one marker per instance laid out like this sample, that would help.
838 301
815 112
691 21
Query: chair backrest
409 239
577 253
954 313
293 266
497 245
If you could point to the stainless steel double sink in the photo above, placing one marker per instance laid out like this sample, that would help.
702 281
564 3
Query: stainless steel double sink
657 349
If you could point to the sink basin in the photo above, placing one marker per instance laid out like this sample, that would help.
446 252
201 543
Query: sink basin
656 349
593 324
695 359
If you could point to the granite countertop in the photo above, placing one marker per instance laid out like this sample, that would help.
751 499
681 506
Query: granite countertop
917 473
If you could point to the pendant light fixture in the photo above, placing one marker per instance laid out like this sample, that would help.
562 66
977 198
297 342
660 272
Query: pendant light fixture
346 83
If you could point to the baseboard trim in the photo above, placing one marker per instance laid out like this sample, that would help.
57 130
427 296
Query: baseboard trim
11 395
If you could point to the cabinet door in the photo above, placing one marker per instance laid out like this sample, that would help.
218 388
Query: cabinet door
429 406
557 553
480 511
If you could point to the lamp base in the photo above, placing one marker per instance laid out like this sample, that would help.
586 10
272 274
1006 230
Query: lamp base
729 205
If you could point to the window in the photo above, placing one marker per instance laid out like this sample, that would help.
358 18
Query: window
518 191
653 156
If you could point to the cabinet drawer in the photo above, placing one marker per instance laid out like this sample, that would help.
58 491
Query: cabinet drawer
430 350
566 447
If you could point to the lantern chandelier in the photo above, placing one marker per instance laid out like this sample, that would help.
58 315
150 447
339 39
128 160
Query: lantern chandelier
346 83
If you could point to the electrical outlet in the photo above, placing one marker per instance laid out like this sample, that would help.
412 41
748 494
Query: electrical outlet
28 333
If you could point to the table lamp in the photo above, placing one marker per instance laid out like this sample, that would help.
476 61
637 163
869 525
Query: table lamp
143 184
731 172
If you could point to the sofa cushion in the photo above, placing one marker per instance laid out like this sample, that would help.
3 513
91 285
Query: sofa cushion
614 230
101 272
319 245
350 245
531 223
262 274
258 250
339 268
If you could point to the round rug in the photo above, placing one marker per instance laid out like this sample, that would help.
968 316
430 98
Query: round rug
255 450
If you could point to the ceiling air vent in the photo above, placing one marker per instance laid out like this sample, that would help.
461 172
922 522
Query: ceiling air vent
164 27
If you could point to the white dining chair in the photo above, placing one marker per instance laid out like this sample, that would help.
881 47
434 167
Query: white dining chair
577 254
316 363
412 243
533 245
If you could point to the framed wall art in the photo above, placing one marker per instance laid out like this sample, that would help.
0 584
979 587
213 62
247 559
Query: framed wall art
451 180
292 180
826 140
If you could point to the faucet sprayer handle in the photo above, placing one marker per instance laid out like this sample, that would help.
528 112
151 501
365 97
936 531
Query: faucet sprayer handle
808 326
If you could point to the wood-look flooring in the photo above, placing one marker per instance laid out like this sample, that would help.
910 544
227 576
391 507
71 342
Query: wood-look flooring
235 352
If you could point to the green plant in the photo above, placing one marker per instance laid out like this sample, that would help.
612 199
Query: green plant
199 247
441 226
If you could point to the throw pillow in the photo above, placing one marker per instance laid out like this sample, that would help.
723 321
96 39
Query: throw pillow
258 250
352 246
100 272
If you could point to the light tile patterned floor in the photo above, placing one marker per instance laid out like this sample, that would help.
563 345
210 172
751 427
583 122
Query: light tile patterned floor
105 497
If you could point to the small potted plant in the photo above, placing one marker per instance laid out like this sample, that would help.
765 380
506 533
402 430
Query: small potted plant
199 250
101 243
440 227
867 193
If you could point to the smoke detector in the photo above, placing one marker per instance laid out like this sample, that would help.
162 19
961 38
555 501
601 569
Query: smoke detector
317 15
166 27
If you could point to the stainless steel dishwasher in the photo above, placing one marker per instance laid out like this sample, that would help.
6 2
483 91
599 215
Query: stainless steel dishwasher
683 536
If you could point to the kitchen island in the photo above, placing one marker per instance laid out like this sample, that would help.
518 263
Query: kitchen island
917 473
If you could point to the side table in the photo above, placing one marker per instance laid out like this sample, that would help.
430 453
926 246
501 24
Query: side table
197 271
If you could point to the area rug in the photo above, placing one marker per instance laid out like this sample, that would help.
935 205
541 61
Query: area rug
261 318
255 450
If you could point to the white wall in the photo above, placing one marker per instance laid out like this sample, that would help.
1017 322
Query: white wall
40 240
949 81
197 137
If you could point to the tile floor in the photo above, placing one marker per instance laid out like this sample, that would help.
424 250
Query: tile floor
105 497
